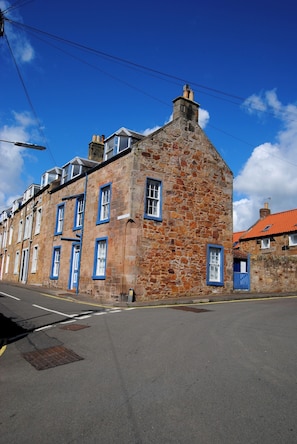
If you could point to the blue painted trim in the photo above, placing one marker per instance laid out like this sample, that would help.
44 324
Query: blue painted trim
77 227
53 261
94 276
103 221
149 216
61 205
220 283
71 262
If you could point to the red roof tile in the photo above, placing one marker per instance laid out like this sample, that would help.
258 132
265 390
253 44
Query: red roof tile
273 224
237 235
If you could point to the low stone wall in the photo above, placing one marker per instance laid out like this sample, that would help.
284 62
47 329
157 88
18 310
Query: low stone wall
273 274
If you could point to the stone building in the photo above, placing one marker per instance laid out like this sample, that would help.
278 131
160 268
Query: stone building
272 247
145 216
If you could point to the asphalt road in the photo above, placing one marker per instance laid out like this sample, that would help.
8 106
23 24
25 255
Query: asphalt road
223 374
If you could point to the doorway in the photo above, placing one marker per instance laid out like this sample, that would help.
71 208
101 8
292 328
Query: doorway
74 270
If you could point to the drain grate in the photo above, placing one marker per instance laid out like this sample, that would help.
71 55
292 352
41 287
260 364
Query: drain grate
51 357
74 327
189 308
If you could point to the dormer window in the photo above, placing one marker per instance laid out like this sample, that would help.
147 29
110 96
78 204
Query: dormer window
71 171
49 176
76 167
115 145
120 141
30 192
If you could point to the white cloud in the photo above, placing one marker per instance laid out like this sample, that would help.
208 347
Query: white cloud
271 169
12 157
21 46
203 118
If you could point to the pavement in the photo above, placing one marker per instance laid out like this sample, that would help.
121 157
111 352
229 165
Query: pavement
87 299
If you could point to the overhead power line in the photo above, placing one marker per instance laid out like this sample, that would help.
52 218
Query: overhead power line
124 61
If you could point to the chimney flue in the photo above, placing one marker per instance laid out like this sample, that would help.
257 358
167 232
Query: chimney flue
264 212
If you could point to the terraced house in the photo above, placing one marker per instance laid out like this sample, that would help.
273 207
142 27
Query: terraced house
271 247
149 217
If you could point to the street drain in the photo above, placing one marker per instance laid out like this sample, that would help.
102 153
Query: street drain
189 308
74 327
51 357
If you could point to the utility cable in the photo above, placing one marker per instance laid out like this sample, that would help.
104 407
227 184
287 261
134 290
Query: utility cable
27 95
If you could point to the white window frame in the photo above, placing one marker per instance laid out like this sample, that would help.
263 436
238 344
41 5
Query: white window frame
4 240
265 243
153 199
10 235
38 220
104 204
21 230
60 218
16 262
56 260
79 213
215 265
28 226
34 259
100 258
7 263
292 239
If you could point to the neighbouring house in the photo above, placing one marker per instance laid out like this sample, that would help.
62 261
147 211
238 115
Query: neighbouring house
149 217
271 244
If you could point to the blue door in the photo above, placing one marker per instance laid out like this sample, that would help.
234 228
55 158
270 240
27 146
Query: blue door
241 274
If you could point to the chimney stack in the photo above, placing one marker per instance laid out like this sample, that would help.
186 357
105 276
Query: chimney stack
96 148
185 107
264 212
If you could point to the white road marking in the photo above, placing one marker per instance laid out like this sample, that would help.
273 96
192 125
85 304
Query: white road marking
10 296
54 311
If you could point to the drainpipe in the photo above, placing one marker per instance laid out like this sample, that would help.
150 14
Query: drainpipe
81 234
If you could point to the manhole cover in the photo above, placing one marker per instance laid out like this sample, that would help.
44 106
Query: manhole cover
51 357
74 327
189 308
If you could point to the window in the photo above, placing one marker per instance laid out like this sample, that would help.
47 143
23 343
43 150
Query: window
215 265
104 204
38 220
100 256
60 219
153 199
28 226
265 243
34 259
79 212
56 263
4 240
10 235
292 239
116 145
7 264
16 263
20 232
71 170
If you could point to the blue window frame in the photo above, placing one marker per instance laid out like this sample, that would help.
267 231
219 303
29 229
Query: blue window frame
104 204
215 265
153 199
56 259
60 219
100 257
79 213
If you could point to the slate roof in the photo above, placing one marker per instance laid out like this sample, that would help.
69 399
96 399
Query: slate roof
273 224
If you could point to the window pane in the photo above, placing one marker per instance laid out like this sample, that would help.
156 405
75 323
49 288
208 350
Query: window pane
153 198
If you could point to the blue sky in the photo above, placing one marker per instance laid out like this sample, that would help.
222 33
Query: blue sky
238 57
